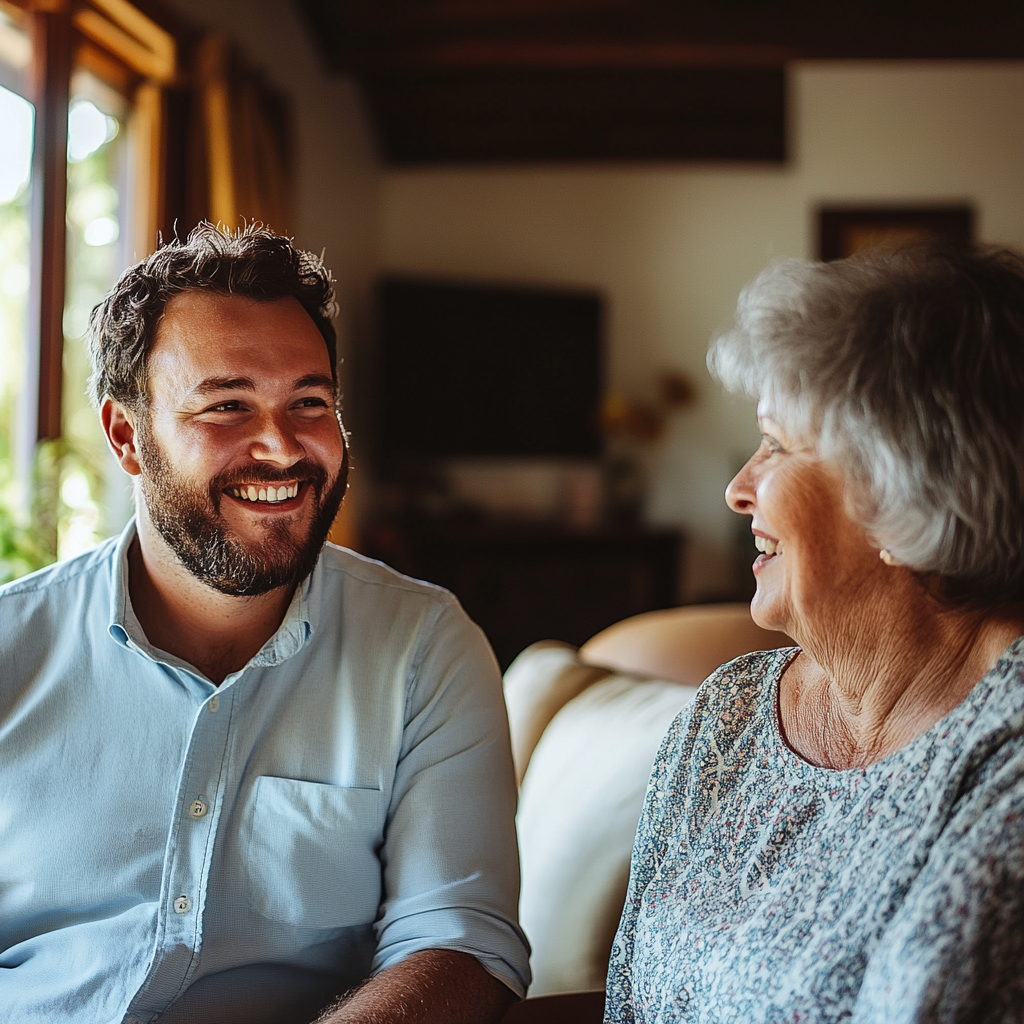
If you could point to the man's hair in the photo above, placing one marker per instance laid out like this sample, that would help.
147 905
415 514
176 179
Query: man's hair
905 370
252 262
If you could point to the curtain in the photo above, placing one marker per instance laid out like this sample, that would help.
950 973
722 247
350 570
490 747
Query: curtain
239 152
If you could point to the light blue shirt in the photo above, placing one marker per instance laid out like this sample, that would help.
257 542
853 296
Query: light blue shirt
246 852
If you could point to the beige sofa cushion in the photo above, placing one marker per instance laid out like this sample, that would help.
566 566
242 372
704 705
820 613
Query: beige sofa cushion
538 684
585 730
684 644
579 805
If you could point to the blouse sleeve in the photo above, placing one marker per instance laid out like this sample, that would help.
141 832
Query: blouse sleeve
954 952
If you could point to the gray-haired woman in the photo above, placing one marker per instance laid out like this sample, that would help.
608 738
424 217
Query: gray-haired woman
836 831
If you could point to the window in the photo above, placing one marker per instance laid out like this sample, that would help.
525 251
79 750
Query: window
82 99
95 495
18 553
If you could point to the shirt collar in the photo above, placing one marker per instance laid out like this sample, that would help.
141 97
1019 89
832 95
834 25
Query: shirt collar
295 631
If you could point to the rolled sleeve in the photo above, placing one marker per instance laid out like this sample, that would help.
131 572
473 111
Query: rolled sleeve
449 858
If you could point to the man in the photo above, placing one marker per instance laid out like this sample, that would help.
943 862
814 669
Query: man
244 771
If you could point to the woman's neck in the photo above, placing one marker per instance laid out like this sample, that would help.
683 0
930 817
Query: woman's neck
863 692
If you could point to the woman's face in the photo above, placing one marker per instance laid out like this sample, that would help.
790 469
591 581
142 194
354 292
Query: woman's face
817 565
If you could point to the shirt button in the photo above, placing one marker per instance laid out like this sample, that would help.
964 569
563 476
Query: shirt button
198 808
213 703
182 905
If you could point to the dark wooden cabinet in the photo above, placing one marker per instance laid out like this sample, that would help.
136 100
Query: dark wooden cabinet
523 583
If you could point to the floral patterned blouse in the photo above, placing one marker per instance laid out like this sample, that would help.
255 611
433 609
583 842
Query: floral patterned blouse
764 889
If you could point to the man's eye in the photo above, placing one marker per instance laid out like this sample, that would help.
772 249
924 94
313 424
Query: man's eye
312 403
225 407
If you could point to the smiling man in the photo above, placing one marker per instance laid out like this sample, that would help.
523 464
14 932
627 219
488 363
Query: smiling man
247 776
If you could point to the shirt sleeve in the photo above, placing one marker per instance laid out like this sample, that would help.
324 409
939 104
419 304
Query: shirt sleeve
954 952
450 859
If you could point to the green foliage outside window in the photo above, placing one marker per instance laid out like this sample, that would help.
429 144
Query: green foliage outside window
76 494
30 537
93 492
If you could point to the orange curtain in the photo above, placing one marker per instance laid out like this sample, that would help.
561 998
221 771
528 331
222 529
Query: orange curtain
241 167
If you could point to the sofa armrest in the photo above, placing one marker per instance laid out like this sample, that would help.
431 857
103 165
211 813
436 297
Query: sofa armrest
538 684
682 644
578 810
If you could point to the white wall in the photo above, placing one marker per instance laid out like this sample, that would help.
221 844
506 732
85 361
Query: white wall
671 245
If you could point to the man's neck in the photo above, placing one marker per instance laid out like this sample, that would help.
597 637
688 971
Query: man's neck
214 632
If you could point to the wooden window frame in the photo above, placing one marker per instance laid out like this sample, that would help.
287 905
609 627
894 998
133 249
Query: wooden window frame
119 43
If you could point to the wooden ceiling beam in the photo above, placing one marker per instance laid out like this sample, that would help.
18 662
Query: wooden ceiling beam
357 34
478 53
537 80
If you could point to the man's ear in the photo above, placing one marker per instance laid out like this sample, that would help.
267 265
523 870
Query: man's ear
119 426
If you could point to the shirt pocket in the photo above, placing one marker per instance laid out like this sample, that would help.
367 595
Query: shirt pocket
310 852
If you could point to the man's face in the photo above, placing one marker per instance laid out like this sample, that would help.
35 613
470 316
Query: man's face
241 450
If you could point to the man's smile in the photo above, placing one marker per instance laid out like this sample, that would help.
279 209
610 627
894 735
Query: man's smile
262 492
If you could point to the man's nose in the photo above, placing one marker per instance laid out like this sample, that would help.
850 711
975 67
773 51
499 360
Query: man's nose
275 441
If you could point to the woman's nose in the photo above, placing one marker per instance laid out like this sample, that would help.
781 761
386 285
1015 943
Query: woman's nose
739 495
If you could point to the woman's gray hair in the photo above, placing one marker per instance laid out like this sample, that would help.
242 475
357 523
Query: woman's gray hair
906 370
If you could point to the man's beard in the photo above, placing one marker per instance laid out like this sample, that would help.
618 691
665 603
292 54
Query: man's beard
190 521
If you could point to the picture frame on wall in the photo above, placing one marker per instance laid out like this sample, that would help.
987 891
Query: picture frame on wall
845 230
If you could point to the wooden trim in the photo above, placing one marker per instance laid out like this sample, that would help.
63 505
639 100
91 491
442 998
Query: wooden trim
105 66
156 62
159 42
113 31
844 230
40 6
14 9
51 82
142 48
367 35
147 141
213 73
490 53
559 1008
16 49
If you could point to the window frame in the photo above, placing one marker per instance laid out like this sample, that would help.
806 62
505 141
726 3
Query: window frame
126 47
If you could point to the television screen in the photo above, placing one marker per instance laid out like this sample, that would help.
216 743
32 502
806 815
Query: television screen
471 370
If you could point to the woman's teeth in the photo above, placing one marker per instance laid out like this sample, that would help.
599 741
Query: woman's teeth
252 493
769 547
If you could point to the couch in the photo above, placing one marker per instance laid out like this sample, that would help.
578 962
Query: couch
585 726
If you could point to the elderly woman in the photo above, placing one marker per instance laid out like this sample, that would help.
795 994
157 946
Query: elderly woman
835 831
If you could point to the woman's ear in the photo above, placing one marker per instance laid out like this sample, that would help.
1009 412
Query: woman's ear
119 427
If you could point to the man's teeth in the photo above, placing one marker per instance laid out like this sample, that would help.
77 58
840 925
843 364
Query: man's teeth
769 547
252 493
